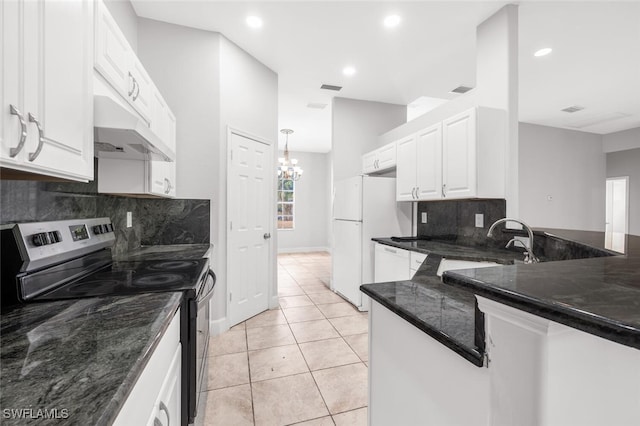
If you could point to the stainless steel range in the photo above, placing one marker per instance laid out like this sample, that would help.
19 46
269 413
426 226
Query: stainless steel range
46 261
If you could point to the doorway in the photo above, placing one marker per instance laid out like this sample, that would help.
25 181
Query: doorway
250 197
617 213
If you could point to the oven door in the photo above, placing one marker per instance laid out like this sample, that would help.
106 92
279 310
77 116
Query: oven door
202 348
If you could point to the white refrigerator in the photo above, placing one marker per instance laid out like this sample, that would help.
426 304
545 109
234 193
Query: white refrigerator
363 207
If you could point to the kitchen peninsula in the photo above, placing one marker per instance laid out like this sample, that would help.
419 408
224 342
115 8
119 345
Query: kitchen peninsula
558 342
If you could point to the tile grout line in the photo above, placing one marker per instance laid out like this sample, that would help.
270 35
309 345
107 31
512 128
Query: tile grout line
253 405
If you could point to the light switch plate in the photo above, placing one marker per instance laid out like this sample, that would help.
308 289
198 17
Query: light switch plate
479 220
424 217
129 219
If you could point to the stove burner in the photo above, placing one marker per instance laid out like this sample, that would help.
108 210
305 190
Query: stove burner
173 264
158 279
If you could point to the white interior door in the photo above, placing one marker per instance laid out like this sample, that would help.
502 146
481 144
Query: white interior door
249 193
617 213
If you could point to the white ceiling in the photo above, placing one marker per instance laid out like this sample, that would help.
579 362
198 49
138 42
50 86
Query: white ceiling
595 61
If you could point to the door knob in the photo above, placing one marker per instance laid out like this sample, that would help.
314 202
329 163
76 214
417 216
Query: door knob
266 236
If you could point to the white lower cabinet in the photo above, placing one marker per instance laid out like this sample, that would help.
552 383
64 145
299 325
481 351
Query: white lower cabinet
391 264
156 397
415 261
454 264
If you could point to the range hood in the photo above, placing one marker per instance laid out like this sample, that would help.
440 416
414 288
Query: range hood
120 133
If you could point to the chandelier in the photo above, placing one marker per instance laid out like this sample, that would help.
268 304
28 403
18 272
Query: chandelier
288 169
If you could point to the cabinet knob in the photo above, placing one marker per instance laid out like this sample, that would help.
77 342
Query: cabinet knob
23 131
266 236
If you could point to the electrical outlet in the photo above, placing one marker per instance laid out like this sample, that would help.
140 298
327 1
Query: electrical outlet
129 219
424 217
479 220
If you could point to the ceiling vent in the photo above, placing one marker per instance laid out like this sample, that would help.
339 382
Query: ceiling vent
330 87
573 108
461 89
316 105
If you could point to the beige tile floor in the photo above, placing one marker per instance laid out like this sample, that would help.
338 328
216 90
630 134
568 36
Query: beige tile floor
303 363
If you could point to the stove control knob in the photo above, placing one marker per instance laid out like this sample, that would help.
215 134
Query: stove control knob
40 239
97 229
55 237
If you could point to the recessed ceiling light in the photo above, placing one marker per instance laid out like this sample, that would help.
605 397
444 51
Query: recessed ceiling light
543 52
349 71
392 21
254 21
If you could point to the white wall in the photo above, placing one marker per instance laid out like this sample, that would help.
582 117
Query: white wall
312 212
627 163
567 165
122 11
185 66
209 83
621 141
248 102
356 126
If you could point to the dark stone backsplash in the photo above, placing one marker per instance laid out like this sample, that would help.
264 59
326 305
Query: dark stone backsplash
454 220
155 221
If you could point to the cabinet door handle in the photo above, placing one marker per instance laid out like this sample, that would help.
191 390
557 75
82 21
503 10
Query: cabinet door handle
417 192
166 410
23 131
390 250
133 84
168 185
34 155
137 89
443 193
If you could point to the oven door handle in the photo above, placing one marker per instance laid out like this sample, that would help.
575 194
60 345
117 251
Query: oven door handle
207 293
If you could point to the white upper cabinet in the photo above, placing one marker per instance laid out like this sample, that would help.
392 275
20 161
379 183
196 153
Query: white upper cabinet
119 65
369 161
429 163
112 53
380 160
143 89
406 169
387 156
459 138
123 71
460 157
47 92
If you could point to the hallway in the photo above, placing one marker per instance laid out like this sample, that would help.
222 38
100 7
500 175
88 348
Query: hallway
304 363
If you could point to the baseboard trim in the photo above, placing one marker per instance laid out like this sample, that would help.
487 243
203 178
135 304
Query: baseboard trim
303 250
218 326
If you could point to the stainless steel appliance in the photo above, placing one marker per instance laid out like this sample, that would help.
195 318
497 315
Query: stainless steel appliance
45 261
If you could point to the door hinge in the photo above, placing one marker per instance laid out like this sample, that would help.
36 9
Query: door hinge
230 297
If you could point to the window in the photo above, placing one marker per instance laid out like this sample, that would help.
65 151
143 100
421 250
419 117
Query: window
286 195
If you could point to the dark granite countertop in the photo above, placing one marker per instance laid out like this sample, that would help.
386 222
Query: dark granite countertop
451 250
447 314
167 252
599 295
82 355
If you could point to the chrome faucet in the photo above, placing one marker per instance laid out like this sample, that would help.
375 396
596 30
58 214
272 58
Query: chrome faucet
529 257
